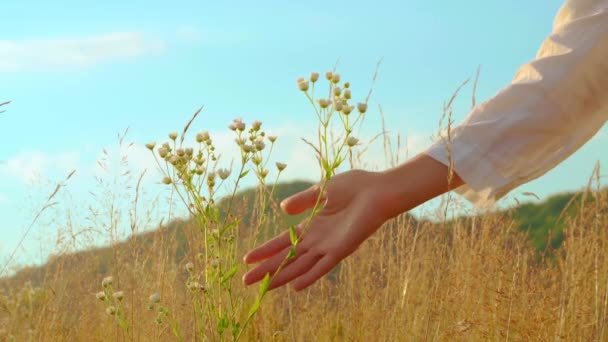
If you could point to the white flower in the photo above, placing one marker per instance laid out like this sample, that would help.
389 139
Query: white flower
362 107
347 94
162 152
272 138
338 106
281 166
119 295
211 176
264 173
256 160
335 78
193 286
329 75
314 76
223 173
189 151
199 170
100 295
180 152
259 145
173 135
352 141
150 145
256 125
248 148
323 103
347 109
203 136
337 91
302 84
189 267
111 310
154 298
107 281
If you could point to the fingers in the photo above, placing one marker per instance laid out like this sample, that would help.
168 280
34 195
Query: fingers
301 265
270 248
301 201
268 266
321 268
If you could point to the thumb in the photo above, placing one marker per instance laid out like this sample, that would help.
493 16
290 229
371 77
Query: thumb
301 201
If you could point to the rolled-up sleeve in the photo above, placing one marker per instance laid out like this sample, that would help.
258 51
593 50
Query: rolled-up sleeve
555 104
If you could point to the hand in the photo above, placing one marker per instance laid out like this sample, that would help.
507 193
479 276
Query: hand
350 215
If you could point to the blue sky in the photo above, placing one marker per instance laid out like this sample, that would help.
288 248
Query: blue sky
79 73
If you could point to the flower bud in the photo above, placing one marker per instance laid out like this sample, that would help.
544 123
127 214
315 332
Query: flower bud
329 75
347 94
281 166
173 135
264 173
259 145
154 298
323 103
272 138
256 160
347 85
202 136
180 152
335 78
347 109
223 173
232 127
256 125
199 170
189 151
101 295
118 295
248 148
352 141
107 281
111 310
189 267
362 107
337 91
302 84
150 145
314 76
166 180
162 152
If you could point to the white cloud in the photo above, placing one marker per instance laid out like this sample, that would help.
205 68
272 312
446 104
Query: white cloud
73 52
31 166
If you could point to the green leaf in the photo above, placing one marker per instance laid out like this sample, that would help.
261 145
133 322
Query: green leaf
292 253
244 173
228 275
255 307
292 235
230 226
264 285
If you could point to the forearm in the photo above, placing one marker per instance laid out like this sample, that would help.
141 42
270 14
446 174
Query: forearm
411 184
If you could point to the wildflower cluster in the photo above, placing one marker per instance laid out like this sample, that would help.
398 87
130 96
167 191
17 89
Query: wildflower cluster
194 174
113 301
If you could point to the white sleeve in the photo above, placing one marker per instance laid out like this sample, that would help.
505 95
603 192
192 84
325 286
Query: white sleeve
554 105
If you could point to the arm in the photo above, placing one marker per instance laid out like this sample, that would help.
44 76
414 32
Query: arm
554 105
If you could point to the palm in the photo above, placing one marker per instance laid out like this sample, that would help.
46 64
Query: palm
347 219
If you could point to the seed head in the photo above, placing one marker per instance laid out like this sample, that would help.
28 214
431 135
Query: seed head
167 180
302 84
107 281
223 173
199 170
314 76
173 136
101 295
337 91
202 136
248 148
150 145
119 295
211 176
281 166
189 267
352 141
338 106
189 151
272 138
329 75
180 152
362 107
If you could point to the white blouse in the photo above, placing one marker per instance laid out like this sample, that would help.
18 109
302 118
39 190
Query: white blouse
554 105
